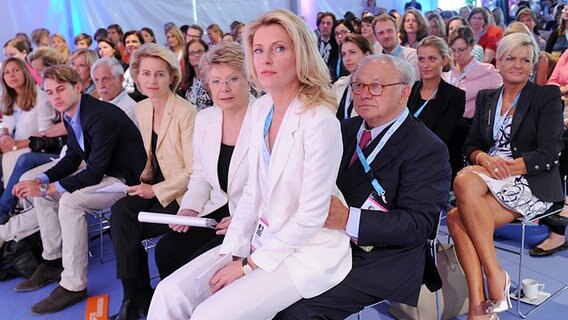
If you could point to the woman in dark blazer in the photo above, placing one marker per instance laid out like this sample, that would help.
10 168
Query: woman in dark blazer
438 104
515 144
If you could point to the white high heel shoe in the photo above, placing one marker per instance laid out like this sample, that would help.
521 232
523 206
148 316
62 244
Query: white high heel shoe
503 305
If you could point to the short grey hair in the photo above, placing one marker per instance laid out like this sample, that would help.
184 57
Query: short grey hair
406 72
516 41
115 66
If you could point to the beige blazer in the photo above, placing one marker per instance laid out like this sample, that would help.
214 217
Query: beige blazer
174 149
204 194
301 177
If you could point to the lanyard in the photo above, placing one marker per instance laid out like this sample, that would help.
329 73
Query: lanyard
338 67
346 113
417 113
477 38
366 162
499 119
467 70
90 88
268 122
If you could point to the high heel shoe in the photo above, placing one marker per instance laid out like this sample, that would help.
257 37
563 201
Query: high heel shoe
502 305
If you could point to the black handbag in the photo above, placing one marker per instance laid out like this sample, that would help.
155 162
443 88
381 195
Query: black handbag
20 259
47 144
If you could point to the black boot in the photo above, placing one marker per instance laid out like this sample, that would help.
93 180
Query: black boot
134 309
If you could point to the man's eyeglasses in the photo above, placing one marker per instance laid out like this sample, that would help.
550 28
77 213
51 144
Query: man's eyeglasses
375 88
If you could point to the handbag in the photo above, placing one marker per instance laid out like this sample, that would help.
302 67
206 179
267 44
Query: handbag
47 144
20 259
453 297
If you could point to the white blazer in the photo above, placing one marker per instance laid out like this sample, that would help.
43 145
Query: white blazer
204 194
301 176
338 90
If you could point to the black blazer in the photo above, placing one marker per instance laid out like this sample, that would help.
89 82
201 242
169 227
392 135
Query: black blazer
536 135
113 147
413 169
444 116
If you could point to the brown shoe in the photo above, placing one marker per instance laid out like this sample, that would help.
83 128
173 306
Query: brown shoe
59 299
41 277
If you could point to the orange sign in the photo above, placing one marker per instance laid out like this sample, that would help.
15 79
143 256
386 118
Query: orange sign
97 308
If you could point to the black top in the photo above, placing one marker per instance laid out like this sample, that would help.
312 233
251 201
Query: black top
223 165
158 176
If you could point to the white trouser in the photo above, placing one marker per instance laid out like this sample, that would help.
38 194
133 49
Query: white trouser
64 231
258 295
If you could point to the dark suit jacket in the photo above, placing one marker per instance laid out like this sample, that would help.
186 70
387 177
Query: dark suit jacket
413 169
444 116
113 147
536 135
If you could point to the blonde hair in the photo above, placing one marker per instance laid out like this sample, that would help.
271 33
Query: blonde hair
176 32
65 52
47 55
437 43
10 96
311 70
516 27
516 41
227 53
152 50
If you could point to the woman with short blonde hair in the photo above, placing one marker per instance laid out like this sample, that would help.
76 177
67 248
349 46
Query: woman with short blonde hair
58 42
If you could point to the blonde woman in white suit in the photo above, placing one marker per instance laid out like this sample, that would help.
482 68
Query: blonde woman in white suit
220 163
280 249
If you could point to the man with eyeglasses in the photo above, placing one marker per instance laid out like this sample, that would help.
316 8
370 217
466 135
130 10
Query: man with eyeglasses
395 179
193 32
384 27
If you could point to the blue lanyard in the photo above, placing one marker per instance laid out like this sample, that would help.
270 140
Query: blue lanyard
366 162
480 36
417 113
338 67
90 88
499 119
268 122
346 113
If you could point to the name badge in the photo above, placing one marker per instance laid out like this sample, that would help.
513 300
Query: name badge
261 235
373 203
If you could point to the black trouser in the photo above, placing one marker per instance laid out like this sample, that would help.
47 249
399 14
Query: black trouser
176 249
127 234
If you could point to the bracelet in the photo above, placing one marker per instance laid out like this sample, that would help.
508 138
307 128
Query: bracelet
477 157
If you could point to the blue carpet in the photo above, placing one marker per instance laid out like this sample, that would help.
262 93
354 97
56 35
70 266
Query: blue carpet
102 280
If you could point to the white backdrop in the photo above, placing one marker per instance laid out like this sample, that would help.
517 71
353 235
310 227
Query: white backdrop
70 17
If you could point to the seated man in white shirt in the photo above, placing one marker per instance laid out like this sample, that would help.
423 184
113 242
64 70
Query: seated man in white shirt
384 27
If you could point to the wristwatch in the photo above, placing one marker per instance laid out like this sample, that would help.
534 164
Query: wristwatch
43 189
246 267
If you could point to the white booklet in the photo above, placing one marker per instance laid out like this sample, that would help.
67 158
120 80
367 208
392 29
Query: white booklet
163 218
210 268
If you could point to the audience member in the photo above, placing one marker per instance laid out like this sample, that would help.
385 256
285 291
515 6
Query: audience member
22 36
101 33
193 32
108 76
83 41
58 42
106 48
499 18
81 61
467 73
558 41
19 49
109 143
176 44
515 172
292 255
413 4
44 57
528 18
335 64
353 49
327 46
414 172
114 32
437 103
412 29
40 37
132 41
148 35
215 34
166 124
195 91
486 34
458 21
385 31
220 160
369 34
541 67
436 26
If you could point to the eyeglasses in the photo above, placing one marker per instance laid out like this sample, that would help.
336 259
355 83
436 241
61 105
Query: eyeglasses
375 88
16 211
458 50
218 83
341 33
196 53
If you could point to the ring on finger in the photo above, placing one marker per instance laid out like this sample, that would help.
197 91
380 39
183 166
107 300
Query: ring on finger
496 170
